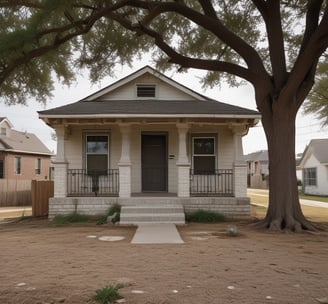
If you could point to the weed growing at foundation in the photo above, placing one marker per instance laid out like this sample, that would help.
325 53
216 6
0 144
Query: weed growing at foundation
71 218
204 216
113 211
108 294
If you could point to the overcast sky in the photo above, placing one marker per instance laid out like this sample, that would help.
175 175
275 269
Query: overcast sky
25 118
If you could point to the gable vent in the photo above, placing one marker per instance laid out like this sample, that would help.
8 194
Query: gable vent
146 90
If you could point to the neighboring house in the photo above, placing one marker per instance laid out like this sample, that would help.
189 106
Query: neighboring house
147 135
314 165
22 154
257 169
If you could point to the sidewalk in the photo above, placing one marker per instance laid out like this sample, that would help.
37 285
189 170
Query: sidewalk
12 212
265 193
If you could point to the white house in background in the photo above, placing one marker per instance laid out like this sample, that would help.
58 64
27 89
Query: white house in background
258 169
314 164
147 139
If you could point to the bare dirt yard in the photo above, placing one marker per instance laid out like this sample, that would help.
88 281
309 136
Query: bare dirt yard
43 263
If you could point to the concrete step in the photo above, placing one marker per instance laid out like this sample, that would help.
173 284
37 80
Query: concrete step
152 209
152 214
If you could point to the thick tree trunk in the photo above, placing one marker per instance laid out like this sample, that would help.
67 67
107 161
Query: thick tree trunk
284 212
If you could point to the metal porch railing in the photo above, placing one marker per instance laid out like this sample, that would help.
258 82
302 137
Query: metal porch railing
82 182
217 182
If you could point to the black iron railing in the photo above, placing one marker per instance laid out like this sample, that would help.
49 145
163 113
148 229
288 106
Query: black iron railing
82 182
211 183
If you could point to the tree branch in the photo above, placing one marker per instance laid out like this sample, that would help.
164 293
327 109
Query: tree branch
208 8
312 19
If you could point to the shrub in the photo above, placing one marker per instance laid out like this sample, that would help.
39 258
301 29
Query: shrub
108 294
204 216
114 209
70 218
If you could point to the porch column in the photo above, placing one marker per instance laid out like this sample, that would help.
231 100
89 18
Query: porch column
124 164
240 166
60 165
183 163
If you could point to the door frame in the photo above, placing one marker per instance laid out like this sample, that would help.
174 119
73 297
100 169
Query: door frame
165 135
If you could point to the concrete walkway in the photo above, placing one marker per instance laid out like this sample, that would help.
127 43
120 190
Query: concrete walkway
157 234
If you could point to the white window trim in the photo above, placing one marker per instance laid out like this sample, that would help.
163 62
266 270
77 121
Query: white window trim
36 166
20 161
86 147
193 137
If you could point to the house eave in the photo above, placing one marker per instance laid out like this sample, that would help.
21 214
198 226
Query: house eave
27 152
117 116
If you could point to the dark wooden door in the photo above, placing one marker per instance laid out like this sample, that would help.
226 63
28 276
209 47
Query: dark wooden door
154 162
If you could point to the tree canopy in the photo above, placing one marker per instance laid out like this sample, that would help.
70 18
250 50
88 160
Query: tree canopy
274 45
317 101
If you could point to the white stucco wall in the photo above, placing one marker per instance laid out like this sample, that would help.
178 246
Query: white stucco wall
322 177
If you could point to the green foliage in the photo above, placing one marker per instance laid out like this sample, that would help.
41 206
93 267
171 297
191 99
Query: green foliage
317 102
39 37
204 216
108 294
114 209
70 218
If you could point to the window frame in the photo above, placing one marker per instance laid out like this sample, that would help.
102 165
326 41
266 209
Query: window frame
310 181
38 166
89 134
18 165
203 136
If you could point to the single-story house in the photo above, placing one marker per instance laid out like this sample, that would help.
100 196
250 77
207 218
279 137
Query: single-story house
22 154
314 165
149 139
258 169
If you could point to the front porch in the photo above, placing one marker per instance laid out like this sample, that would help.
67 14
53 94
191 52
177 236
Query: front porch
82 182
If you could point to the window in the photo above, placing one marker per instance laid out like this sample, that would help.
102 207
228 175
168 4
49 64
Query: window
3 131
146 90
310 176
1 169
203 155
38 166
18 165
96 152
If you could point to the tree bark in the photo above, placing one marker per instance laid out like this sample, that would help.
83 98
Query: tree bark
284 211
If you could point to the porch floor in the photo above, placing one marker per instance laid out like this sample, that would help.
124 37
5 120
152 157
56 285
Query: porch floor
154 194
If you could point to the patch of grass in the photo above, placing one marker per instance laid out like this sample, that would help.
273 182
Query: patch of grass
314 198
108 294
204 216
70 218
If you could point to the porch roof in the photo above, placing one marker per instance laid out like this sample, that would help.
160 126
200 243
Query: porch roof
139 108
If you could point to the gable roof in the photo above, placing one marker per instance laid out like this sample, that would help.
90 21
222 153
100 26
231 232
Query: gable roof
317 147
23 142
139 73
257 156
192 104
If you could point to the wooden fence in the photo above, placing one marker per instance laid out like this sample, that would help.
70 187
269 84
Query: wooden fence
41 192
15 192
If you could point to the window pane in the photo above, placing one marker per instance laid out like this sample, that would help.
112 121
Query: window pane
97 163
97 144
204 146
204 164
18 165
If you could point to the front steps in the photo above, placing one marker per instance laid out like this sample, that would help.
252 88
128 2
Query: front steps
146 213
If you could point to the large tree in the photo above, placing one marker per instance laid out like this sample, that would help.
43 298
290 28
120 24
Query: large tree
274 45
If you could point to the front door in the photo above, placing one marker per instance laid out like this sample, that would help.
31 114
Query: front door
154 162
